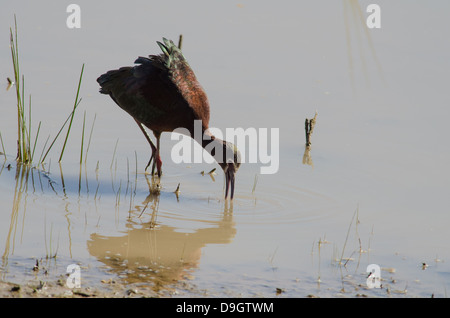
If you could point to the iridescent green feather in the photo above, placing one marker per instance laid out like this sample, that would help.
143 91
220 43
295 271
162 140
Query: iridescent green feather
171 52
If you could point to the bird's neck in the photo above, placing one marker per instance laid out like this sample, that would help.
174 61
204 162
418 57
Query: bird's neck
209 141
216 147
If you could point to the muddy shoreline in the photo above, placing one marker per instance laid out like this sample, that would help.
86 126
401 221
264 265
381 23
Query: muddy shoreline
110 289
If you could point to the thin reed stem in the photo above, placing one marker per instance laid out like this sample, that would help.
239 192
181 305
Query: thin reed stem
82 138
75 105
56 137
114 153
35 141
3 146
90 137
22 154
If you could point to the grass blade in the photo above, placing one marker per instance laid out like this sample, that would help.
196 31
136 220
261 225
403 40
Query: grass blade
56 137
35 141
90 137
3 146
75 105
82 138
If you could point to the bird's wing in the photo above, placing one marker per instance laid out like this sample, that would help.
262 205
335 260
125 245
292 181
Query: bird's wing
182 76
157 88
144 91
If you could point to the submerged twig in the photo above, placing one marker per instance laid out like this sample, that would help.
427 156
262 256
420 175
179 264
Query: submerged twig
177 192
309 127
10 83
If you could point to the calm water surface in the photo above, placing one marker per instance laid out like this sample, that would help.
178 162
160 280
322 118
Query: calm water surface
375 190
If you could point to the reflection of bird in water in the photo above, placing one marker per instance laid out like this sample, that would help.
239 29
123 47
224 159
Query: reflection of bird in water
158 256
163 94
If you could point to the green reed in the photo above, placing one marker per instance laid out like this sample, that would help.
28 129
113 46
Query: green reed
24 152
75 105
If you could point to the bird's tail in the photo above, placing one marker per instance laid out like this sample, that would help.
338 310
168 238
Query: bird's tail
108 80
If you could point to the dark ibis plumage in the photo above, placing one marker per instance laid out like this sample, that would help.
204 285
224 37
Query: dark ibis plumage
162 93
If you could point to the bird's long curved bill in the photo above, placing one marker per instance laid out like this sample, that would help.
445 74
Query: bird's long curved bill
229 183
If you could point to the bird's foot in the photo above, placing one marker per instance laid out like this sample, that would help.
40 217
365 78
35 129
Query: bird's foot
158 163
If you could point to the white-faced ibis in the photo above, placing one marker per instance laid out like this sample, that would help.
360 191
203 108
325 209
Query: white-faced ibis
162 93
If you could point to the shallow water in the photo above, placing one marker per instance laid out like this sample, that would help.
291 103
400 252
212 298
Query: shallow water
375 193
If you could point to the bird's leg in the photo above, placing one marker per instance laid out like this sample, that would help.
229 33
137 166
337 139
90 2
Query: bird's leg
157 159
149 141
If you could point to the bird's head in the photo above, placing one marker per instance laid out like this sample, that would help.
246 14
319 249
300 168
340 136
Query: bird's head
230 165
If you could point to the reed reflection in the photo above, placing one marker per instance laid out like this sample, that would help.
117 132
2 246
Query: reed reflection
22 175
